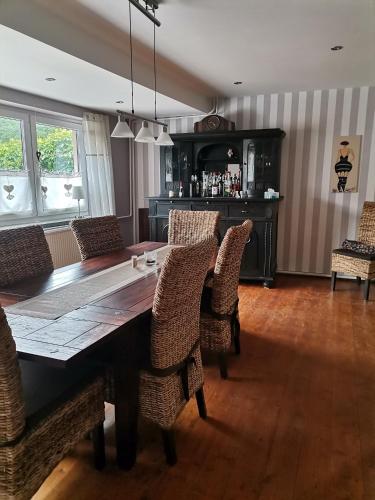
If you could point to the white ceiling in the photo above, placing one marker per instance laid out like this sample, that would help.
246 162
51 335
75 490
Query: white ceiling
270 45
203 47
26 62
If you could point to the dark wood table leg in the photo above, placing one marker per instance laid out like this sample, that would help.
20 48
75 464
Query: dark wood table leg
126 373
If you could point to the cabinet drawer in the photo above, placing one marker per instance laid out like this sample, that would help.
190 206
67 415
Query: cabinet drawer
248 209
163 207
211 205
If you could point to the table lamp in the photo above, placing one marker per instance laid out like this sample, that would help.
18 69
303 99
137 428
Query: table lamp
78 194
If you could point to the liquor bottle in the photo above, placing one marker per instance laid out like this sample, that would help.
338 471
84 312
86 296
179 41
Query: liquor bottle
204 185
221 185
227 185
191 187
197 187
215 186
181 190
209 185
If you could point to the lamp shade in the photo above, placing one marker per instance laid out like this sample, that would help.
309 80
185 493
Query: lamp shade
122 129
144 135
164 138
78 193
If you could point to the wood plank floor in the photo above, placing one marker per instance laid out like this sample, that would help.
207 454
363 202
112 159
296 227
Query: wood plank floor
295 420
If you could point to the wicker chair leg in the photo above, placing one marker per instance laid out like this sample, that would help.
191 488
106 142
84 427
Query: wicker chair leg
201 403
236 336
366 290
358 280
333 280
169 444
223 364
99 446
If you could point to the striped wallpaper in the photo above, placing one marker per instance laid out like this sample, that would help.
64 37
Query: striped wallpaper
312 219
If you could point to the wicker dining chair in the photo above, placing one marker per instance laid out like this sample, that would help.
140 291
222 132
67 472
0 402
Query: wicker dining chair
97 235
219 322
360 265
172 372
44 412
187 227
24 253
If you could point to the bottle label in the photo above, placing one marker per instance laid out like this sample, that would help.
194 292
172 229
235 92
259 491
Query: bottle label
214 190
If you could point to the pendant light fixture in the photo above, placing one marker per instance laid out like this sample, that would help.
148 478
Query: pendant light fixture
144 135
164 138
122 129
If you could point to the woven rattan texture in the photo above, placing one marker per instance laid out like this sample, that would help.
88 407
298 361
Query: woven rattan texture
12 412
175 313
24 253
216 334
353 266
31 448
97 235
187 227
366 229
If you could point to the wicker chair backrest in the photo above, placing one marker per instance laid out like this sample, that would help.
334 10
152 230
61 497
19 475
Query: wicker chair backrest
24 253
176 308
97 235
187 227
227 268
12 410
366 230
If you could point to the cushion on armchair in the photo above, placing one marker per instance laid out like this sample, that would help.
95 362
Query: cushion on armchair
359 247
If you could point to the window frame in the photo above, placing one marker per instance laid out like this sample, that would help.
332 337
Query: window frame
29 118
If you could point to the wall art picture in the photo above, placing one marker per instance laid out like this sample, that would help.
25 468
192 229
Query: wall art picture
345 164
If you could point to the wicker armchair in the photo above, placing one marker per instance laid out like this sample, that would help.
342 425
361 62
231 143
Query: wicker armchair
219 322
44 412
24 253
173 372
187 227
359 265
97 235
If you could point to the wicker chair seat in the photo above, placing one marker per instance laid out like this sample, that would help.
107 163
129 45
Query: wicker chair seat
347 262
97 236
216 335
47 438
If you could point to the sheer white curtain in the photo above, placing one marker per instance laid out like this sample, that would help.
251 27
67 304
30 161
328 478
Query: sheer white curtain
99 164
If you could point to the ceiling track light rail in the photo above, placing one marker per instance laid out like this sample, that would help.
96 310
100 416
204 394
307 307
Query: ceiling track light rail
148 9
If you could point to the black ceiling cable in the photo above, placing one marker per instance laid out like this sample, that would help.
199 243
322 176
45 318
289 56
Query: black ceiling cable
131 55
154 65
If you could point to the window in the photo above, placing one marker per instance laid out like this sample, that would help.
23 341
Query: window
41 160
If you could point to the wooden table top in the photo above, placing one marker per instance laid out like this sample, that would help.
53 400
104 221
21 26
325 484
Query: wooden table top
65 340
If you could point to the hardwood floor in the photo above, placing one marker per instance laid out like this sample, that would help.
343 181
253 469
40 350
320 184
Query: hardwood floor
295 420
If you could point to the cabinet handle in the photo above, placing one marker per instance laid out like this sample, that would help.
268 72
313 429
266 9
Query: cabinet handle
244 211
207 202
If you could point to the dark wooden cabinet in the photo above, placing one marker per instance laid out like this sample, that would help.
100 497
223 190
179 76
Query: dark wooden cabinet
256 155
259 258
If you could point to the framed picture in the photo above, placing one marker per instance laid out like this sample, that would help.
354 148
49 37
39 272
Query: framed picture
345 164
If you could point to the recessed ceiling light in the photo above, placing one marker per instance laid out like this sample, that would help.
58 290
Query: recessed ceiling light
337 47
119 102
237 83
50 79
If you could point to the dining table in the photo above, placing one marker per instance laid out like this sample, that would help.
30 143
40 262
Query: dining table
115 322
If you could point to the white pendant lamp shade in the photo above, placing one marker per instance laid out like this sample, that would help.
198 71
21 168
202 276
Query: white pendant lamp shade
164 138
122 129
144 135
